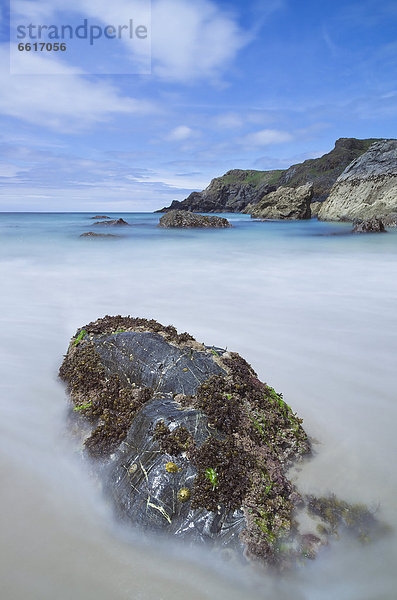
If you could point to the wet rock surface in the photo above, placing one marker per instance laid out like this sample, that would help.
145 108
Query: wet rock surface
92 234
189 441
112 222
373 225
181 218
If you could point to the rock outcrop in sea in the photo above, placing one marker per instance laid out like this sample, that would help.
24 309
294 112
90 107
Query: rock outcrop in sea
367 188
373 225
284 203
188 441
181 218
92 234
237 188
115 222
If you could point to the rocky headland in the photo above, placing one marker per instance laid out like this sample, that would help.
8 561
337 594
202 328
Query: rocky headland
367 188
235 190
188 441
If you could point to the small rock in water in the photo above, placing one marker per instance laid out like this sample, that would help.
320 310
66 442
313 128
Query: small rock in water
182 218
102 235
100 217
373 225
113 222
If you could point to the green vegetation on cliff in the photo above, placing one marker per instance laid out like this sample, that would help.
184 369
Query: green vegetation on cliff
236 189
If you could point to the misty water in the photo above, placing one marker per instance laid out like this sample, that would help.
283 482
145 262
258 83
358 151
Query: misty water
314 313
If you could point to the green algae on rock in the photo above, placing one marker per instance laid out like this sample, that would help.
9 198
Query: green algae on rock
189 441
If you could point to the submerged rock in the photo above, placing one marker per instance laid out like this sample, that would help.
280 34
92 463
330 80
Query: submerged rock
92 234
373 225
188 440
181 218
113 222
100 217
284 203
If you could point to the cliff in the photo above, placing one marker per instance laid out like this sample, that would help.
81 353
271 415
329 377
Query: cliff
367 188
284 203
230 193
237 188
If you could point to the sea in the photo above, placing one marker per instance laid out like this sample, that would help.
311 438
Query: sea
310 306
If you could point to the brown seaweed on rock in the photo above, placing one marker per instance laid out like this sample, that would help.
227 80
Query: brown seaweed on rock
193 442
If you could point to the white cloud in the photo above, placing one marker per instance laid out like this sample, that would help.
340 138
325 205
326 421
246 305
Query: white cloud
193 40
180 133
266 137
65 103
190 40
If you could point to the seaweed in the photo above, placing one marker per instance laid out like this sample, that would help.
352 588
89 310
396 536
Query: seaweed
231 466
172 442
100 398
110 324
254 436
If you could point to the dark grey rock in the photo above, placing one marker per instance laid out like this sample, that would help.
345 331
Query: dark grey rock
188 441
148 360
113 222
181 218
92 234
373 225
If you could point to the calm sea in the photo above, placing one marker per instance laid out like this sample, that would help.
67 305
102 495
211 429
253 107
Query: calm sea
312 308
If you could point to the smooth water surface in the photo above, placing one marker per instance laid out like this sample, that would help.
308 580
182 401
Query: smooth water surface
310 306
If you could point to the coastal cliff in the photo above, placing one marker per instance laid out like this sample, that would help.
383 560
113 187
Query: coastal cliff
237 188
284 203
230 193
367 188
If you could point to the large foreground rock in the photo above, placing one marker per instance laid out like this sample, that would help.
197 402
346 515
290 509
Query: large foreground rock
367 188
181 218
188 441
284 203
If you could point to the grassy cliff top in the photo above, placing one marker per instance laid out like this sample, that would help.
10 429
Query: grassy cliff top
333 163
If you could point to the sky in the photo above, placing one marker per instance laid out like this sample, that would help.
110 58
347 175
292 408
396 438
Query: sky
130 125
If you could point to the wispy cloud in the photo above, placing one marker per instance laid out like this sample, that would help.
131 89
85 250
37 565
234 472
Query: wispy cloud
266 137
229 121
180 133
64 103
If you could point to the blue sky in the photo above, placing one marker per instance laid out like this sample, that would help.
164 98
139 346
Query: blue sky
253 84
